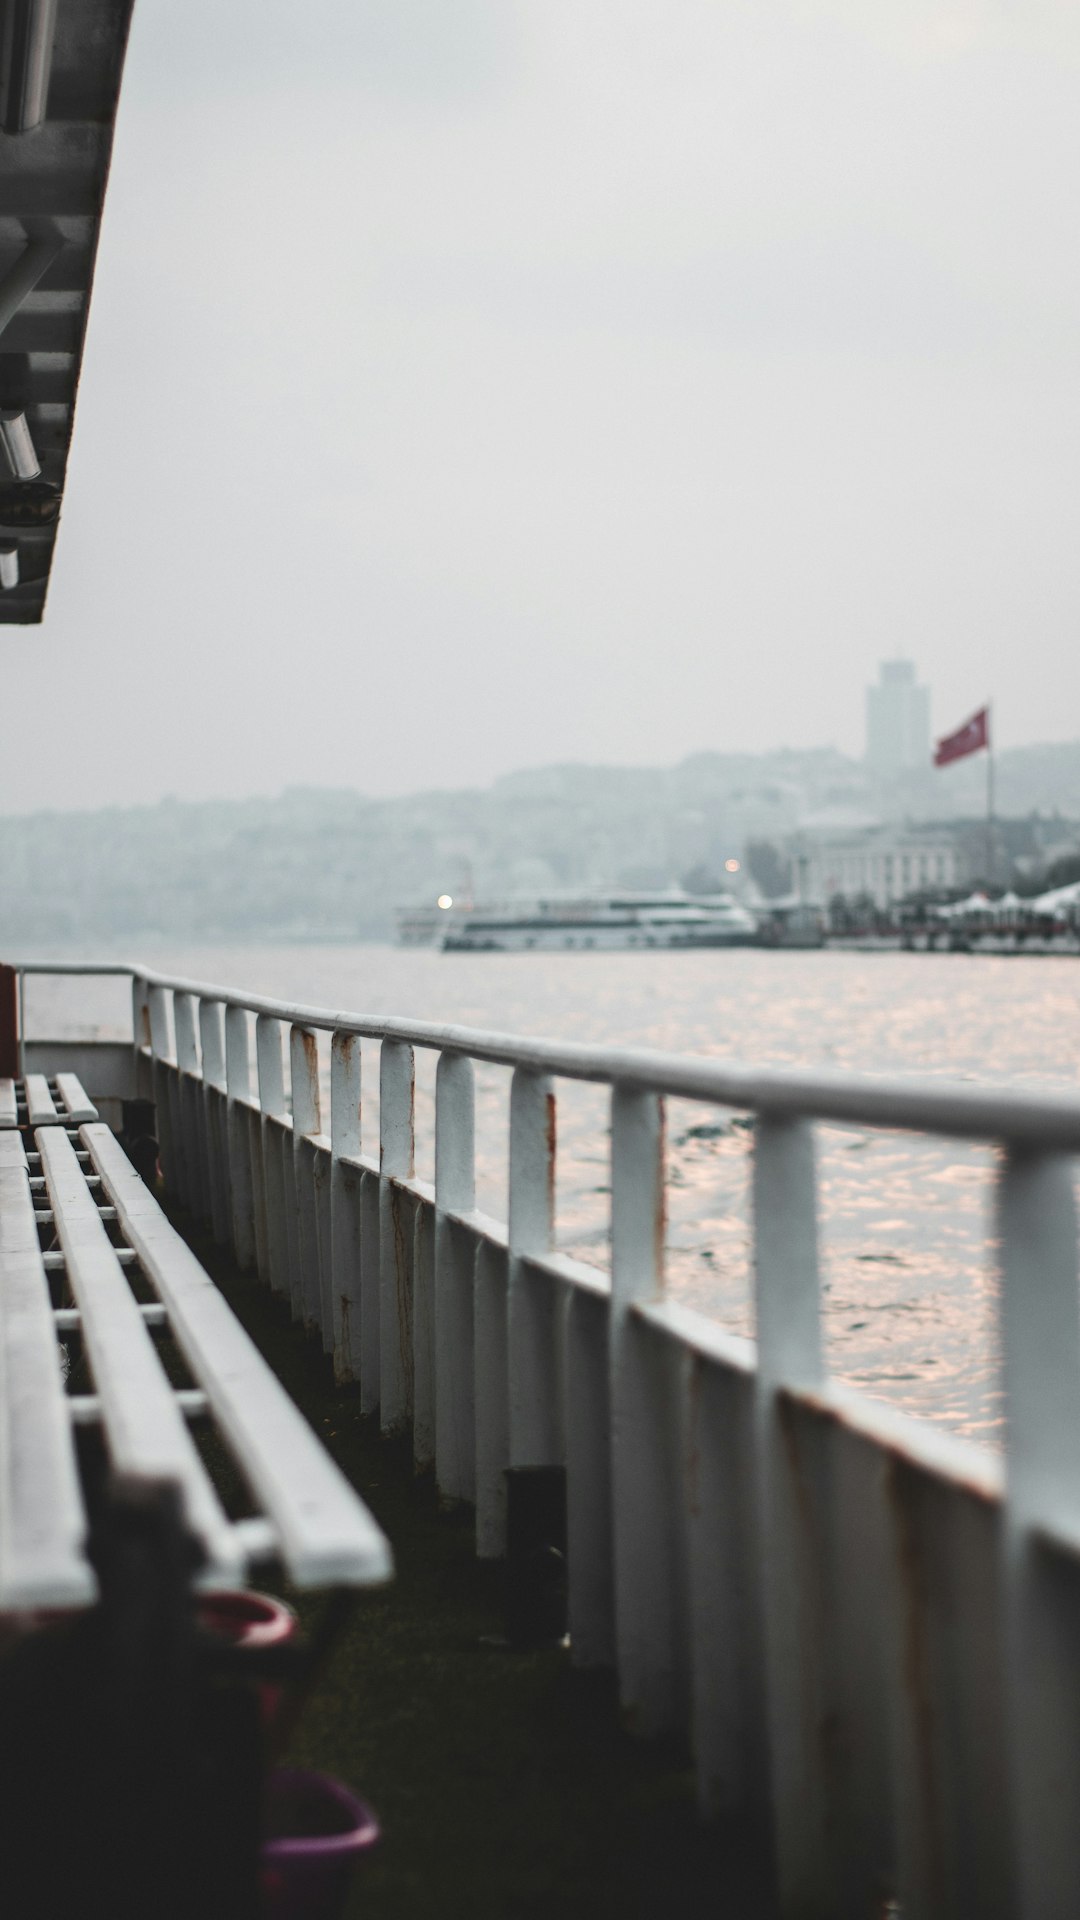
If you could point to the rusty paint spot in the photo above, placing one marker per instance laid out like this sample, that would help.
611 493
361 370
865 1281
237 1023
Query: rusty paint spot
311 1068
550 1134
891 1446
411 1167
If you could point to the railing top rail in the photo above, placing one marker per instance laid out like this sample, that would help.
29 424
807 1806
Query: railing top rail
991 1114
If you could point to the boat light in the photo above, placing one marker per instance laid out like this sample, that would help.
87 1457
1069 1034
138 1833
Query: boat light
9 565
732 866
445 900
18 444
26 49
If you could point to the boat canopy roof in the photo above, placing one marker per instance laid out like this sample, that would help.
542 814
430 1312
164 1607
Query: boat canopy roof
60 68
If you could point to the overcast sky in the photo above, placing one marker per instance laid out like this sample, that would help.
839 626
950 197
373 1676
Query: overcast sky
478 383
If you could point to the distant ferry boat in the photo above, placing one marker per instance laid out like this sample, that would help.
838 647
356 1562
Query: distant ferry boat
611 923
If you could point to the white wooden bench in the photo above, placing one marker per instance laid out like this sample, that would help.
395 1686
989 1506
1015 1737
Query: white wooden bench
110 1231
37 1103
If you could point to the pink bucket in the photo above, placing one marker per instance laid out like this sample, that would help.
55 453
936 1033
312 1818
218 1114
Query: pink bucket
252 1621
316 1831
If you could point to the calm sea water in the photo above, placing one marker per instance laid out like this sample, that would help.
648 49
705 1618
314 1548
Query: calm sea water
907 1230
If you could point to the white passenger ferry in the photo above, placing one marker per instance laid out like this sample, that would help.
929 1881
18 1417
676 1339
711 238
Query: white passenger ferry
610 923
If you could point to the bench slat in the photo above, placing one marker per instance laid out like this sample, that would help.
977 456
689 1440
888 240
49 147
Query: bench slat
73 1094
40 1106
147 1433
9 1113
42 1522
327 1535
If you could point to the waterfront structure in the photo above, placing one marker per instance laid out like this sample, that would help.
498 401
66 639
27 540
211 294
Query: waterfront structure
897 720
885 864
867 1630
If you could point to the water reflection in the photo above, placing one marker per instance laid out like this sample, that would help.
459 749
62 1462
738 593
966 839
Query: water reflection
907 1269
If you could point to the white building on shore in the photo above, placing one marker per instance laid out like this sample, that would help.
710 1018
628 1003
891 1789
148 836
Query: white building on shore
886 863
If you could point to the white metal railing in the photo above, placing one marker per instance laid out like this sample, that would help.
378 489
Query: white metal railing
869 1630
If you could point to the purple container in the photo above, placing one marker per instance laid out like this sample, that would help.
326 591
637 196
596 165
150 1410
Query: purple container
316 1831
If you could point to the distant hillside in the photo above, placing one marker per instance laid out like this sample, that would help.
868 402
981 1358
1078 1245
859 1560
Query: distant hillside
325 864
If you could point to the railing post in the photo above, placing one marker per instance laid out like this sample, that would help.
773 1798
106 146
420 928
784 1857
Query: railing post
649 1551
187 1047
1040 1329
455 1406
274 1141
140 1031
187 1067
534 1345
589 1525
492 1397
161 1057
787 1296
307 1123
370 1291
396 1162
238 1089
215 1131
345 1270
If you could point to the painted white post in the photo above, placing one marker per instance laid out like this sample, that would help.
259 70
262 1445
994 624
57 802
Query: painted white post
396 1162
787 1298
161 1058
649 1551
534 1320
591 1599
321 1163
212 1039
238 1088
1040 1329
140 1030
187 1046
455 1259
423 1343
160 1040
345 1313
729 1740
307 1122
492 1394
370 1290
271 1237
187 1063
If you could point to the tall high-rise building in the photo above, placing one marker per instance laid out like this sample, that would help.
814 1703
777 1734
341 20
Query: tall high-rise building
897 719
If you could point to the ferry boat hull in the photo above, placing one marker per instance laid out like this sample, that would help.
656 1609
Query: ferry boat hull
619 925
604 940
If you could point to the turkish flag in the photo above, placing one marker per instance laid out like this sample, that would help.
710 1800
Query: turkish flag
975 733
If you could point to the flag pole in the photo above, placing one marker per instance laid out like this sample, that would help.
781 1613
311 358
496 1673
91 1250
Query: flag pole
989 800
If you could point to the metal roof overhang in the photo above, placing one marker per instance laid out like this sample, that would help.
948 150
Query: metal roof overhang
67 56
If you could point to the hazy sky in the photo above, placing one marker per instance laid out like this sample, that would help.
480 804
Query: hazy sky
478 383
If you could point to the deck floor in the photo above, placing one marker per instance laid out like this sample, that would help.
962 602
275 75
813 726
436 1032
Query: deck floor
503 1782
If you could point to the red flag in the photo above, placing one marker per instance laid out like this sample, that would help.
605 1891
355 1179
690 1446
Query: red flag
975 733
